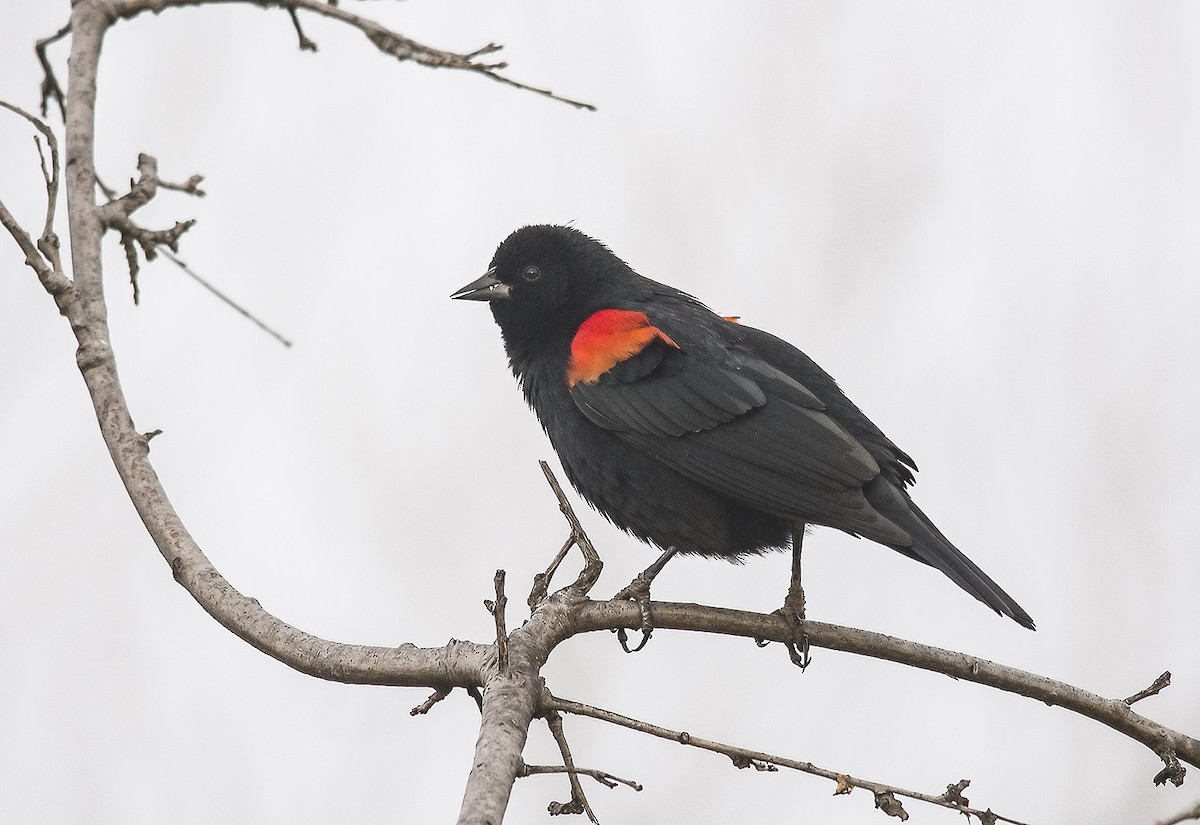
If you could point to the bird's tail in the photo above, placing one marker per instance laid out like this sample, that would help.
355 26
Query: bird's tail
932 548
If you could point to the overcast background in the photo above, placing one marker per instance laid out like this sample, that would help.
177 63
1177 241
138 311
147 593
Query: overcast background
981 218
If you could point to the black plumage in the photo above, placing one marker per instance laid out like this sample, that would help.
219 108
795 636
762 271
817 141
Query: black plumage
693 431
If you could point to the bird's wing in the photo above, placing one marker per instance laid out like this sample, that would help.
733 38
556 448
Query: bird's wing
896 464
735 424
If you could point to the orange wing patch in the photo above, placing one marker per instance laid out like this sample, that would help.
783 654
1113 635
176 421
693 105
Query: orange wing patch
607 337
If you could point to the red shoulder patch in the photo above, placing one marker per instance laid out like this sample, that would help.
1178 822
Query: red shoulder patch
606 338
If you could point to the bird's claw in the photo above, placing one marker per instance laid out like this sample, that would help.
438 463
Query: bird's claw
638 591
792 614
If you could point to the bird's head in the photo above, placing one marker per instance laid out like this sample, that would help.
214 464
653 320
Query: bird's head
544 280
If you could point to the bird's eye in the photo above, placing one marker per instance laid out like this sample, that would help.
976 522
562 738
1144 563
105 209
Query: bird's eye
531 273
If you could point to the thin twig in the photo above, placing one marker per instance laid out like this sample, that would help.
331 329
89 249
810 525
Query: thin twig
48 243
578 803
116 215
742 757
541 581
496 608
1155 686
592 564
149 239
32 258
191 186
50 87
170 256
605 778
387 41
306 45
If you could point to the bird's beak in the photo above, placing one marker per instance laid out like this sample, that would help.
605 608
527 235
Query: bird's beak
487 288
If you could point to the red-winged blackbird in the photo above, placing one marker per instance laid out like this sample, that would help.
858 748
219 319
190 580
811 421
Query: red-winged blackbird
690 430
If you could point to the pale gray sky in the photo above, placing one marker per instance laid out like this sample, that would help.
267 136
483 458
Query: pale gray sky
981 218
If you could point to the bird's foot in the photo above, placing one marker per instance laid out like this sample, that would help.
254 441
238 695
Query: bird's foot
792 613
638 591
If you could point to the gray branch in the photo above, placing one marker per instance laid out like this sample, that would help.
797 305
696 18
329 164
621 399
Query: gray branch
511 696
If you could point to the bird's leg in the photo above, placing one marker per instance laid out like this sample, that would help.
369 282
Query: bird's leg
638 590
793 605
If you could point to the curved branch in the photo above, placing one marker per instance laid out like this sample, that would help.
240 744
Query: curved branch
1114 713
458 663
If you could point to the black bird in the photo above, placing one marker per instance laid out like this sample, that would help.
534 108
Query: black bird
690 430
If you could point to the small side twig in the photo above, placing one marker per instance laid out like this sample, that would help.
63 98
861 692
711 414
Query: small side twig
53 277
592 565
50 87
191 186
496 608
306 45
844 783
541 581
249 316
438 695
1157 685
578 803
605 778
116 215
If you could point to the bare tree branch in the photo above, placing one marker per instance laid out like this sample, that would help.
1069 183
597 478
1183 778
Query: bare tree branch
605 778
306 45
579 803
745 758
496 608
50 87
592 564
512 693
1114 713
247 314
51 276
456 664
387 41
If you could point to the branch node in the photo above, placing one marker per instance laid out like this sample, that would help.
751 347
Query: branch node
1172 771
890 805
741 762
954 793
